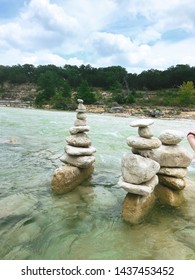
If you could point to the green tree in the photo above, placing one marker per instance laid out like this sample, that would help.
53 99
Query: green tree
186 93
85 93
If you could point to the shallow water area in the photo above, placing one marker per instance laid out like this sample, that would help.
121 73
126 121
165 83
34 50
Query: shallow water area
85 223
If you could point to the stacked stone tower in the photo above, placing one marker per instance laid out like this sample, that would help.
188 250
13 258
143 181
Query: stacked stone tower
139 172
78 157
174 161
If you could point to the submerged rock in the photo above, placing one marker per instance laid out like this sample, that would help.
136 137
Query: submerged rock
169 196
136 207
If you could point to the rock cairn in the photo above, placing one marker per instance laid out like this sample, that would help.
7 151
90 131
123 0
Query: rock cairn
139 172
173 160
78 157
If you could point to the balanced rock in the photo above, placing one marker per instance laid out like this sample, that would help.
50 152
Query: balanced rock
145 132
171 137
81 108
79 129
136 207
169 196
79 140
136 169
137 142
170 156
79 151
81 116
141 189
66 178
172 182
78 161
141 123
79 122
177 172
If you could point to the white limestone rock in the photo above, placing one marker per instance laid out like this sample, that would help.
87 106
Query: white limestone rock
79 129
136 169
141 123
81 107
137 142
81 116
79 151
141 189
80 122
145 132
79 140
170 156
171 137
78 161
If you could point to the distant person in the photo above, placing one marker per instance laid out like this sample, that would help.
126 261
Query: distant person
191 140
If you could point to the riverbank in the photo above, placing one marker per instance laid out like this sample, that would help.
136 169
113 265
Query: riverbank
122 111
144 111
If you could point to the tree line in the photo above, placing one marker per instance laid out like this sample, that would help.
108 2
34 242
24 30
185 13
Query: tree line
57 85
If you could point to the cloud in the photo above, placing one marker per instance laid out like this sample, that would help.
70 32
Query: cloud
134 34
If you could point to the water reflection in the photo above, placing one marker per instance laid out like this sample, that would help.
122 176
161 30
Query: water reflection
86 223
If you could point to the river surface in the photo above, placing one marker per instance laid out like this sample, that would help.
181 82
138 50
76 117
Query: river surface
86 223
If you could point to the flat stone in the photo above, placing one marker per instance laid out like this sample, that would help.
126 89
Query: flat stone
170 156
143 143
81 110
79 151
78 161
135 207
145 132
79 129
171 137
67 178
141 189
172 182
168 196
177 172
136 169
79 140
141 123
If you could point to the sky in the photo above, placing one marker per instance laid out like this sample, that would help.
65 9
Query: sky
135 34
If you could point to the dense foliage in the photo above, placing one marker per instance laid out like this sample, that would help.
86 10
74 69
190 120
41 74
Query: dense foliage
60 86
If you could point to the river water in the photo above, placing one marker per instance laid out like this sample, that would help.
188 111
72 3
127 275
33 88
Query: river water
85 223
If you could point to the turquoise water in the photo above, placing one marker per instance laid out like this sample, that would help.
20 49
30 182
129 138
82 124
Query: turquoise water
86 223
